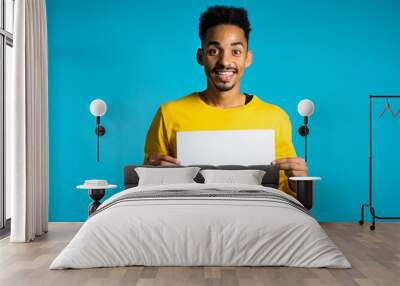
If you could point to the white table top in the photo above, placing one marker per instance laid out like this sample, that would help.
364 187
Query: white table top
96 187
305 178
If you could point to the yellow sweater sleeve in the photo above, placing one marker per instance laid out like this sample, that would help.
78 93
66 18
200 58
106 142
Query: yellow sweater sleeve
284 149
156 139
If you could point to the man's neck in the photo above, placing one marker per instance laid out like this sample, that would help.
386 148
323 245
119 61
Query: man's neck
223 99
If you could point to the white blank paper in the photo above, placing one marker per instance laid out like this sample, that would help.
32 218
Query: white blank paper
222 147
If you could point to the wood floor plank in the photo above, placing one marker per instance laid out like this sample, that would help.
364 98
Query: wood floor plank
374 255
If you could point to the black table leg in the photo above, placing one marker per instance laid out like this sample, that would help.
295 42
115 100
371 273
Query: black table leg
96 195
305 193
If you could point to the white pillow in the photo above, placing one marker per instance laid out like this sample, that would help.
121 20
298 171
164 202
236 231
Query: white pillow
249 177
162 176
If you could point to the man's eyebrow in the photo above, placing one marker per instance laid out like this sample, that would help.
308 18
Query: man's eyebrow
237 43
216 43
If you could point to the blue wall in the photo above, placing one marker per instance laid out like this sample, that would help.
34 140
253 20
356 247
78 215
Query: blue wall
136 55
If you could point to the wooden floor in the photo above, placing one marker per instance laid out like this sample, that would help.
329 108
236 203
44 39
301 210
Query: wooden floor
374 255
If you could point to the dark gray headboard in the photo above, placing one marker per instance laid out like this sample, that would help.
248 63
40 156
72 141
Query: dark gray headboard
270 179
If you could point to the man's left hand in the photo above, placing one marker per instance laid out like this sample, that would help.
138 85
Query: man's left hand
293 167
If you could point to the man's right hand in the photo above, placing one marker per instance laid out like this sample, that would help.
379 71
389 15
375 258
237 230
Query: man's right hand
163 160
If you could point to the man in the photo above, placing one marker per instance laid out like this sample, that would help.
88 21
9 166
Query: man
224 54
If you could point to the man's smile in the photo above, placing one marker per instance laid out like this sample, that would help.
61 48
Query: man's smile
224 75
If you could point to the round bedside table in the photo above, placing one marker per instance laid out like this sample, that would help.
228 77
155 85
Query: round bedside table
96 190
305 186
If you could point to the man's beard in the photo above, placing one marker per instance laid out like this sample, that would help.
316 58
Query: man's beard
222 87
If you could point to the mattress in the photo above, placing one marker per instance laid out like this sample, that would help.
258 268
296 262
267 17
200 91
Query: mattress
201 225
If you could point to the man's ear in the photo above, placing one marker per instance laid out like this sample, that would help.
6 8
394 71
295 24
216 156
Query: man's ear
249 59
199 56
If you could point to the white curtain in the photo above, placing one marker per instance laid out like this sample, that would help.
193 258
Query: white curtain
27 124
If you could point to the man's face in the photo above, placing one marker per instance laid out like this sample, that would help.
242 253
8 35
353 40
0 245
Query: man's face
224 56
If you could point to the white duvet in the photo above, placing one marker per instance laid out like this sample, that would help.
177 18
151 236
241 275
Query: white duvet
200 231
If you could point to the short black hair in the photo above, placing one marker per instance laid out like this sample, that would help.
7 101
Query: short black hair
218 15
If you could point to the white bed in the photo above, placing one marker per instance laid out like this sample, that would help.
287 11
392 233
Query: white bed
268 228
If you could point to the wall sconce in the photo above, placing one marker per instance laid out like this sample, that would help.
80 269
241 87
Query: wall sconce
306 109
98 108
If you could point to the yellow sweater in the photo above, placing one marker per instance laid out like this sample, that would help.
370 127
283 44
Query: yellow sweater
191 113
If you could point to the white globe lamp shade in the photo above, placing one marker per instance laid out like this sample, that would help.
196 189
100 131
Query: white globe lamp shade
98 107
305 107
